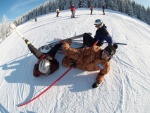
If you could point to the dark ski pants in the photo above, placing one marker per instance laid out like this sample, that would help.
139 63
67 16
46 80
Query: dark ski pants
91 11
38 53
103 11
57 14
89 41
73 14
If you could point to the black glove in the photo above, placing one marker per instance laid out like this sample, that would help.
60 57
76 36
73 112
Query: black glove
27 41
95 85
73 64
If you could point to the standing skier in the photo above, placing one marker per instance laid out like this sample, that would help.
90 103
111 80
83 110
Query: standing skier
47 64
89 59
35 19
103 8
73 9
101 35
91 8
57 11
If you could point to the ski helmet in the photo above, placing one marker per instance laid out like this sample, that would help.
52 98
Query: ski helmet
111 49
98 22
44 66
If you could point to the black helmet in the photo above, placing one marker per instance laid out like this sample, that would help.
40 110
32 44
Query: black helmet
111 49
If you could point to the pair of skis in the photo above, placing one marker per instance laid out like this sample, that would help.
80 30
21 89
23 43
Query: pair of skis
46 48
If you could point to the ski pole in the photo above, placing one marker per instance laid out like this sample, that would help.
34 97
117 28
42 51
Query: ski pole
16 30
46 88
118 43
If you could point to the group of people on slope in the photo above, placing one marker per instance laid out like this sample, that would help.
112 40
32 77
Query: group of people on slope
103 9
90 57
73 10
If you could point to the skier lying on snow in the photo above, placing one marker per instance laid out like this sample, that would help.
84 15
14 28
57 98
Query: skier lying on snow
89 59
47 64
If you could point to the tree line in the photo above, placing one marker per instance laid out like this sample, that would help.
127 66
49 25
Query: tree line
125 6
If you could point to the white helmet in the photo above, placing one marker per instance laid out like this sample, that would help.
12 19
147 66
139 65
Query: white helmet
44 66
98 22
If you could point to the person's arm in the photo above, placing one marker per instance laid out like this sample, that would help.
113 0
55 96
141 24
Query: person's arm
97 35
102 73
108 38
33 50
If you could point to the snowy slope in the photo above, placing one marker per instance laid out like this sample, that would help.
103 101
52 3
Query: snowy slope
126 88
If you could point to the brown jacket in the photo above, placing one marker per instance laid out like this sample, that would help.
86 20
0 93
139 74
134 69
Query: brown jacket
87 59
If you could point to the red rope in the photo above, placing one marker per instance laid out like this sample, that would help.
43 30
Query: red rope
46 88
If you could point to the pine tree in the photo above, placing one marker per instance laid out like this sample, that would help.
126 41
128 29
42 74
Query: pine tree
4 28
148 15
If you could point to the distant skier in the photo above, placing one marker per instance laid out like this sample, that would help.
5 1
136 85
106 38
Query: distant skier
103 8
73 9
89 59
57 11
35 19
100 36
91 8
47 64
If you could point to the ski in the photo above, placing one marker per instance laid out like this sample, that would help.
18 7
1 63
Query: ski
46 48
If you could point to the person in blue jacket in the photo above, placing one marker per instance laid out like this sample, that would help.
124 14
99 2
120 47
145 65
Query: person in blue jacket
100 36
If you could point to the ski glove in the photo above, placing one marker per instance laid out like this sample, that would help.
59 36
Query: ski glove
27 41
95 85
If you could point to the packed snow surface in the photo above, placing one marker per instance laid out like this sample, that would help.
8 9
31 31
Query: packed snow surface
125 89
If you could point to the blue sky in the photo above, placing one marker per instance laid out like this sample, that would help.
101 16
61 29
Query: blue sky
16 8
146 3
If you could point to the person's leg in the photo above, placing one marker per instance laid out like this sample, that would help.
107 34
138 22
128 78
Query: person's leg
35 51
103 12
73 14
72 53
88 40
54 49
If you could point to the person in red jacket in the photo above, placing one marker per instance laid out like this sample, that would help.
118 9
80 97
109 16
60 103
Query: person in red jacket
47 64
91 8
73 9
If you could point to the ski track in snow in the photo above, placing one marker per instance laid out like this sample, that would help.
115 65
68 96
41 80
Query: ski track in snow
125 89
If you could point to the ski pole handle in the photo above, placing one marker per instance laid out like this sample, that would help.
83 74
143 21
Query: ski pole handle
16 30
